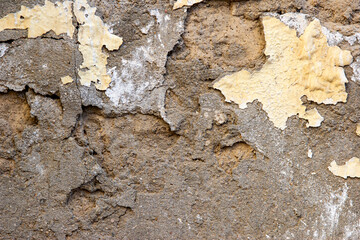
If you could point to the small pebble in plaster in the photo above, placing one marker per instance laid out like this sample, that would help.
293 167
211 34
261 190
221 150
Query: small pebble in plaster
358 129
350 169
296 67
66 80
356 70
3 48
182 3
41 19
220 118
310 153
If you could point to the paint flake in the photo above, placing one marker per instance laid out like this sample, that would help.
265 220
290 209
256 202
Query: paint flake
358 129
182 3
296 67
66 80
350 169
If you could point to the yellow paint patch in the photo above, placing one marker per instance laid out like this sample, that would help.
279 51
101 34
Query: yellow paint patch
41 19
93 35
350 169
296 67
358 129
181 3
66 80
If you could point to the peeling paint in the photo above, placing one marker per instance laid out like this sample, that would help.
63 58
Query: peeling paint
358 129
182 3
93 35
350 169
124 90
41 19
3 48
296 67
66 80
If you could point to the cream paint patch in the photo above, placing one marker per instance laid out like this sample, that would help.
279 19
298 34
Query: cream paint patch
66 80
41 19
350 169
182 3
93 35
296 67
358 129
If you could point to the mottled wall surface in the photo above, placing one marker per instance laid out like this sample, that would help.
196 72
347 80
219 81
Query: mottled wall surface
158 152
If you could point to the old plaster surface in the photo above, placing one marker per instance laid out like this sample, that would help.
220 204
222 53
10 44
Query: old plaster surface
160 153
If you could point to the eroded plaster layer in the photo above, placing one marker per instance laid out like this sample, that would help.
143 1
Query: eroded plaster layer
41 19
350 169
296 67
182 3
93 35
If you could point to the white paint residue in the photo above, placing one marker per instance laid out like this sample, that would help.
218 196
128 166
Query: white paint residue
131 81
159 17
3 48
333 38
353 231
352 39
146 29
123 90
333 208
298 21
356 70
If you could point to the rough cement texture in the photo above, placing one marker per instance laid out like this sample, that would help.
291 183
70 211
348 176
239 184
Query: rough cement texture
160 154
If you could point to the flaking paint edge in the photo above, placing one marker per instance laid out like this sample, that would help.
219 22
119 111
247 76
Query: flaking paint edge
350 169
41 19
182 3
321 79
66 80
93 34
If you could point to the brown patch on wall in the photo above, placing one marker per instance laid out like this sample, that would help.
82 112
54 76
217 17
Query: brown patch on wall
219 39
14 117
230 157
15 110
